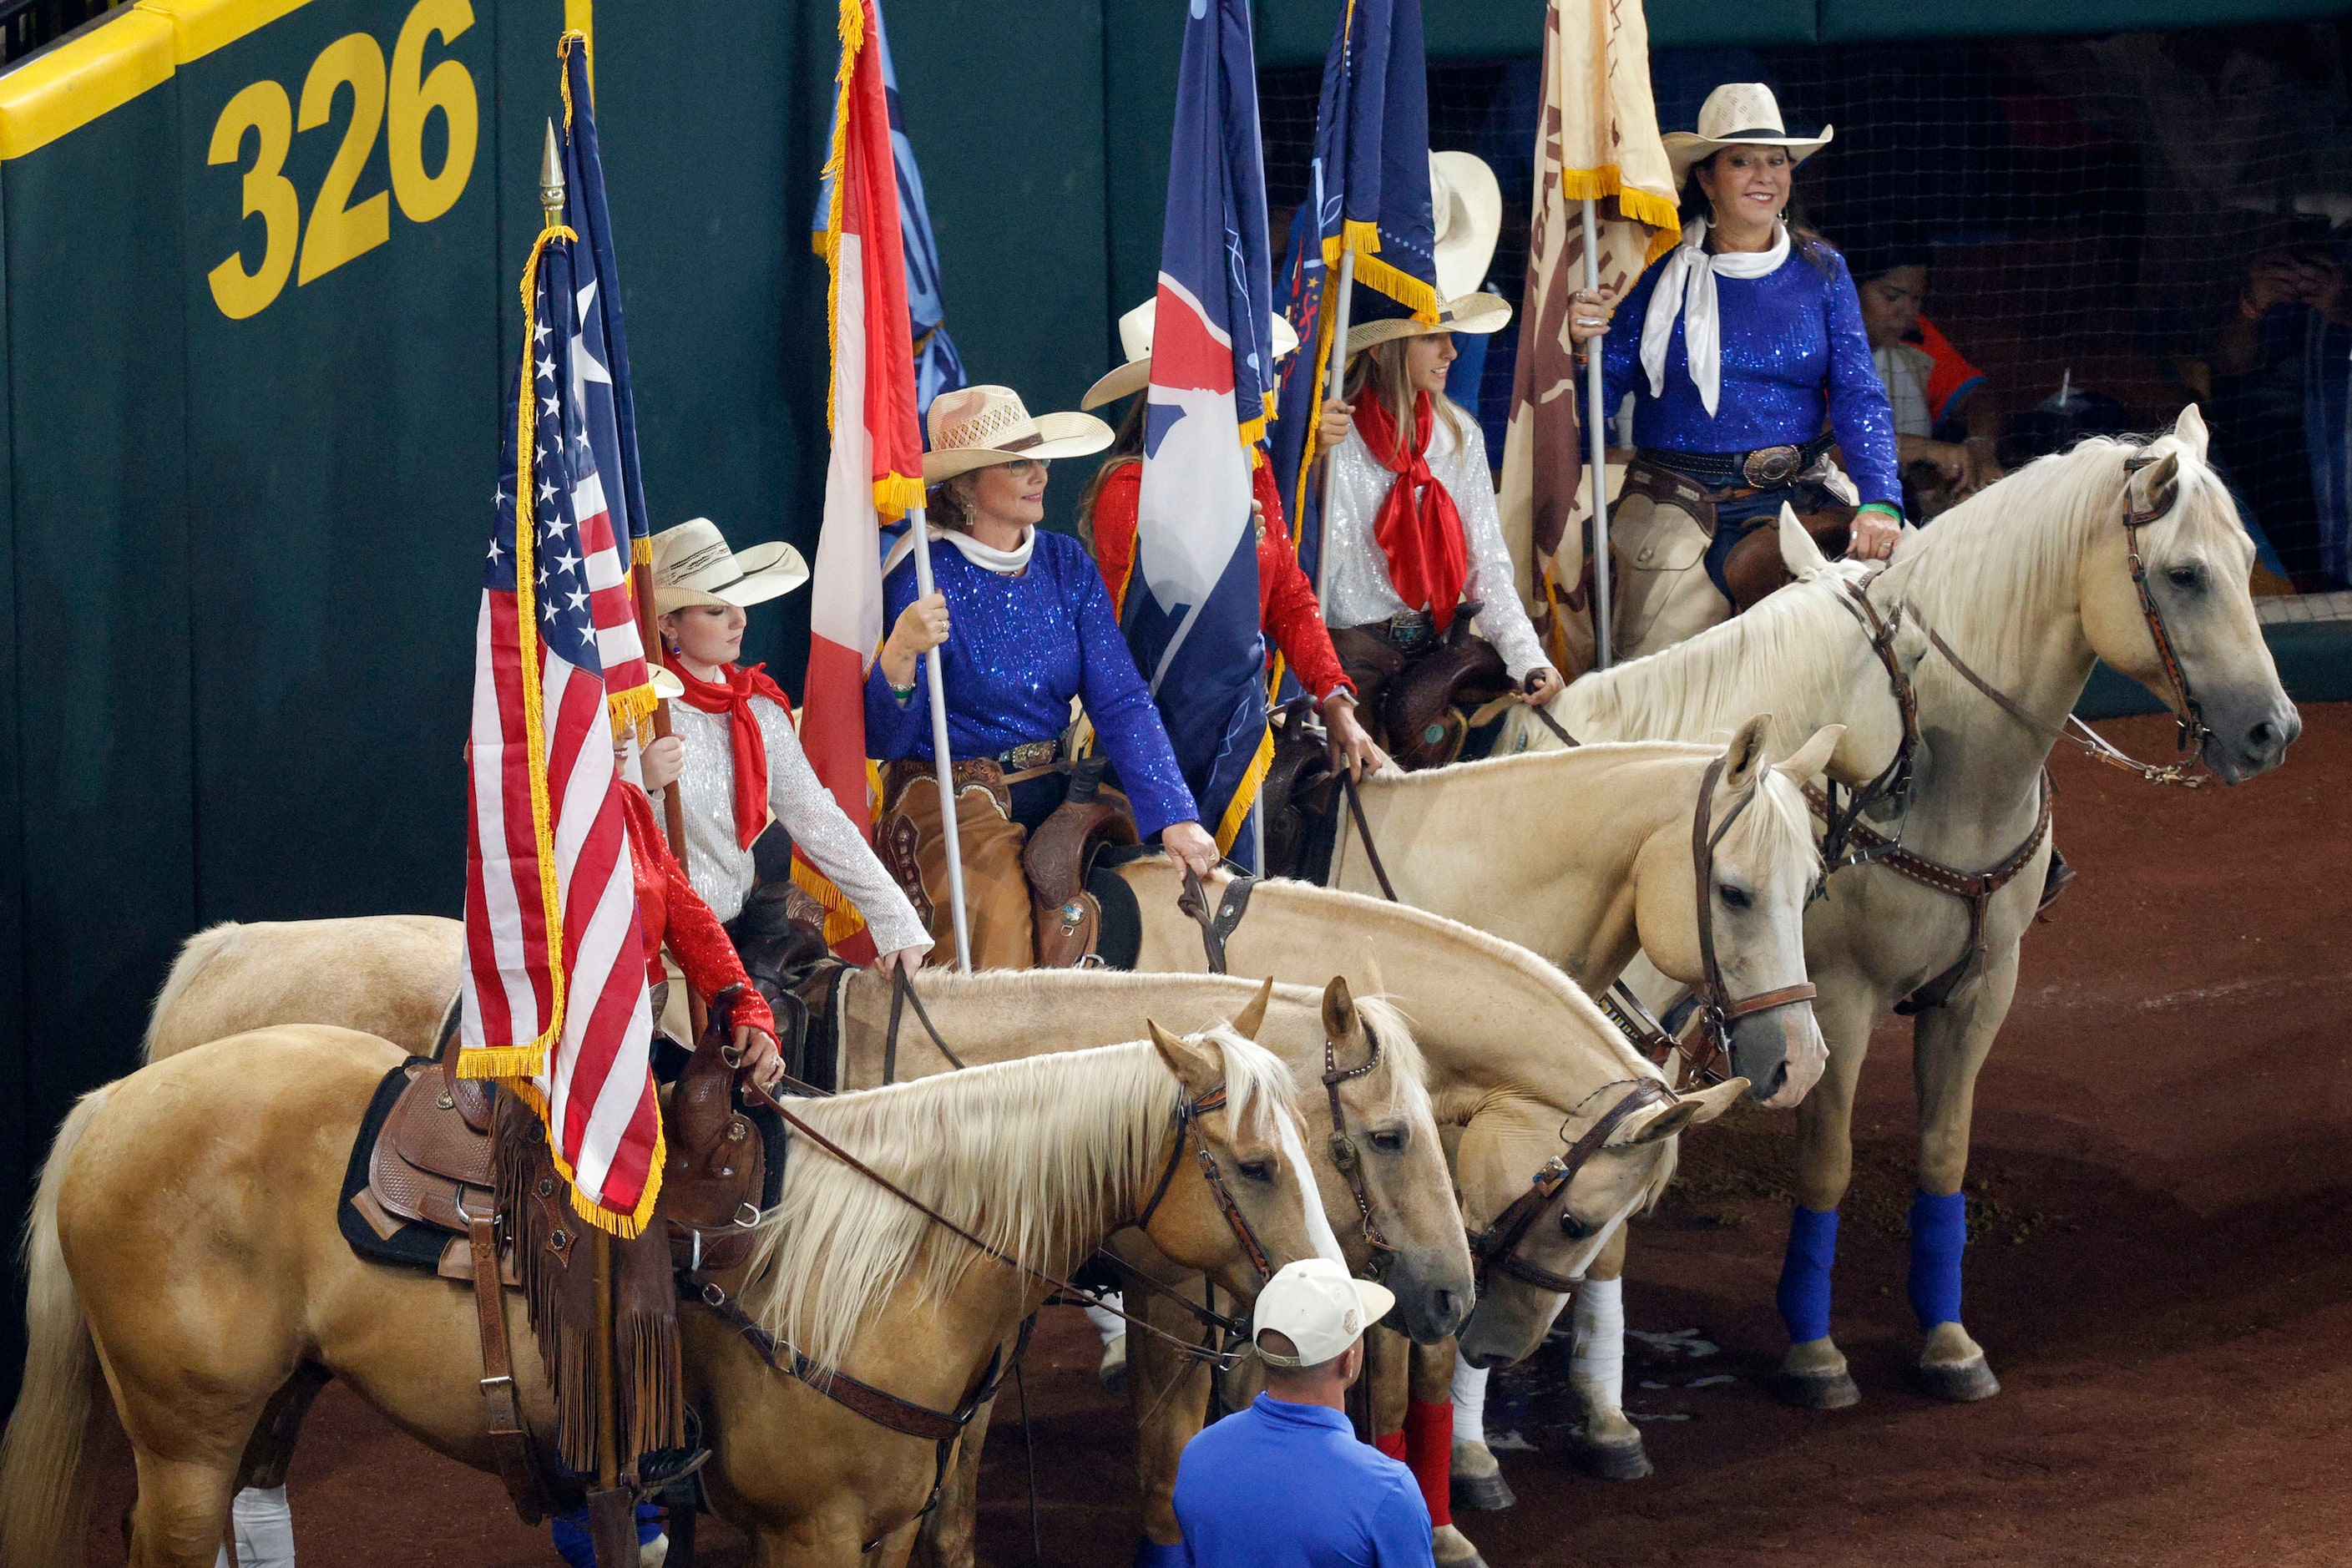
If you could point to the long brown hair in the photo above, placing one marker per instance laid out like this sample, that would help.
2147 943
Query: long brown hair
948 504
1126 447
1382 369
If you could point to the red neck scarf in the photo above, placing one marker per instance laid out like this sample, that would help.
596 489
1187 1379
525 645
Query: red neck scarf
1418 529
733 697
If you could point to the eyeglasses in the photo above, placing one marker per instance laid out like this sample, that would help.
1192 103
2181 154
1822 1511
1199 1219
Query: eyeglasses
1020 467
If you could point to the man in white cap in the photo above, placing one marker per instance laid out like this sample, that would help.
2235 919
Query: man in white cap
1286 1481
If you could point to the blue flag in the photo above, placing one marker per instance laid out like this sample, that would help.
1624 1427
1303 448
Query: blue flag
1368 193
938 367
1191 610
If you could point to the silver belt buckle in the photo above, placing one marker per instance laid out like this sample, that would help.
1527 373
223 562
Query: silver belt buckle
1768 466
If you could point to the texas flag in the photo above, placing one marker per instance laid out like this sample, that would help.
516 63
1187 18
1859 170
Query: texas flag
876 467
1191 610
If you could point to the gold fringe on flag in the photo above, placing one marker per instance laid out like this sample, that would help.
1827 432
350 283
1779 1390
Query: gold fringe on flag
1237 810
896 494
1632 203
837 161
1364 239
842 920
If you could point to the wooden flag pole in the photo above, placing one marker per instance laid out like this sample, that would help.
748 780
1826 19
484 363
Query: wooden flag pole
1596 432
940 756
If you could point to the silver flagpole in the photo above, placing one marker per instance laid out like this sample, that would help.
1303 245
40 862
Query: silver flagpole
939 754
1596 430
1337 379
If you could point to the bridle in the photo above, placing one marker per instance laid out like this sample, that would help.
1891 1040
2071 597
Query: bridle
1892 784
1719 1009
1497 1246
1188 1131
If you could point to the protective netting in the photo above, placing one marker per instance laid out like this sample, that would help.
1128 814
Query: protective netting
2107 227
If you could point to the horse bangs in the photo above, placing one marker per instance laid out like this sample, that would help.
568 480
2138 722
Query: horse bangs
1016 1153
1401 1058
1259 1086
1778 827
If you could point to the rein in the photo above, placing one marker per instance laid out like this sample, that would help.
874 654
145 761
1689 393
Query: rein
1497 1246
1718 1008
1894 782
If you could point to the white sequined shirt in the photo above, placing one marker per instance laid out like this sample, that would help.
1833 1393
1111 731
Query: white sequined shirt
722 868
1358 589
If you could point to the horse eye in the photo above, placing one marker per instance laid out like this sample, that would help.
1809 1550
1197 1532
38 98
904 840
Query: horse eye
1388 1141
1733 898
1258 1170
1573 1227
2184 577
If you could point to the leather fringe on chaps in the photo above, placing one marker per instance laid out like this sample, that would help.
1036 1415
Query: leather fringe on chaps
553 1257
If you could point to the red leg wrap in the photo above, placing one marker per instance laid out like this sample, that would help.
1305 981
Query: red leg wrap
1429 1449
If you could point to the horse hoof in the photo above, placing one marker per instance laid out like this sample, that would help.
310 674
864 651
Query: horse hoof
1451 1548
1825 1390
1112 1373
1959 1382
1489 1493
1620 1461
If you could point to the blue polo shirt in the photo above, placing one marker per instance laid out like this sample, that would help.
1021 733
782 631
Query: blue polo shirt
1288 1484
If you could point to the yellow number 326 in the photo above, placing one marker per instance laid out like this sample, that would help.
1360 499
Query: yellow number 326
340 228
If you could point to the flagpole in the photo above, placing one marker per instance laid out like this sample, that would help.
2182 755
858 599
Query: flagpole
1334 382
940 754
1596 432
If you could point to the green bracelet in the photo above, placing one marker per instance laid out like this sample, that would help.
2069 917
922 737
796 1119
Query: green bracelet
1879 506
903 693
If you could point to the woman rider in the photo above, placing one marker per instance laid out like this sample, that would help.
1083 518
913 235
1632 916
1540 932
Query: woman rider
734 752
1749 334
1287 605
1412 531
1032 628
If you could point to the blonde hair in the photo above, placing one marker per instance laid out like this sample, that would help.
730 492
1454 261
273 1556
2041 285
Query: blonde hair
1382 369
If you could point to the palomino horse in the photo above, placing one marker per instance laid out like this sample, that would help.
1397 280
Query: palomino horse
2027 584
200 1310
1590 856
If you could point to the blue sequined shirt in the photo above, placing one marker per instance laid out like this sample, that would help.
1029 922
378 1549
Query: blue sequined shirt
1793 349
1021 648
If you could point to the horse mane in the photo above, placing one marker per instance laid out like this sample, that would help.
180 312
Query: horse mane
1494 949
2020 541
1021 1153
1709 685
1400 1053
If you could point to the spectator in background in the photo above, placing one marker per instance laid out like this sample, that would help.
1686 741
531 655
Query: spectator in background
2284 351
1947 419
1285 1482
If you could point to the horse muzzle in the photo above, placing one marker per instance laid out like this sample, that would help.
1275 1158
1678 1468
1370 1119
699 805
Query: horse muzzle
2248 735
1780 1053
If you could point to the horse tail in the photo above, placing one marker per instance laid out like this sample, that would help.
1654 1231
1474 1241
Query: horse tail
194 953
44 1491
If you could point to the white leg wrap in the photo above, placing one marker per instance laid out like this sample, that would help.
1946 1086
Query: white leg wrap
1108 1324
1599 1363
265 1529
1469 1401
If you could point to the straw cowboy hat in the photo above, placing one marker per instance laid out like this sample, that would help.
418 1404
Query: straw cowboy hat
978 426
1735 114
1135 337
1465 204
692 565
1477 313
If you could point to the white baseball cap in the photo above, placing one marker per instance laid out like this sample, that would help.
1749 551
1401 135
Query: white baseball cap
1320 1308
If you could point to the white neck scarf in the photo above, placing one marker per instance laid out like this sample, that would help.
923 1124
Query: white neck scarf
1004 563
1686 288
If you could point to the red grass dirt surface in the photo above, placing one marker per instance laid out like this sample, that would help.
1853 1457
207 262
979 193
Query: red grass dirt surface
2160 1273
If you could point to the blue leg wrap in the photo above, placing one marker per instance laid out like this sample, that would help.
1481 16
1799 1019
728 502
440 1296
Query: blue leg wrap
572 1543
1149 1553
1940 1228
1804 1294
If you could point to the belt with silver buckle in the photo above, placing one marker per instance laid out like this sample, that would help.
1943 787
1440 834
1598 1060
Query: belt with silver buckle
1764 469
1029 754
1408 628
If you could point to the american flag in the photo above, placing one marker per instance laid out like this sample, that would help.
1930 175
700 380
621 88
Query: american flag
554 983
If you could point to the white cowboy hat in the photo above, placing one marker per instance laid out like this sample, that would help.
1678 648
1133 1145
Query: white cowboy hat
977 426
692 565
1738 113
1465 204
1135 337
1477 313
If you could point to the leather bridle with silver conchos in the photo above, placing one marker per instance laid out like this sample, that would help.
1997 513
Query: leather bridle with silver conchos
1497 1246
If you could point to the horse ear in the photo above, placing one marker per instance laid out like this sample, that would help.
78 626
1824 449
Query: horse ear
2189 429
1252 1018
1338 1009
2154 485
1814 755
1661 1122
1745 753
1196 1067
1799 553
1714 1101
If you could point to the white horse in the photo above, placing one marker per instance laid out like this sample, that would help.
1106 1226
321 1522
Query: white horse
2027 584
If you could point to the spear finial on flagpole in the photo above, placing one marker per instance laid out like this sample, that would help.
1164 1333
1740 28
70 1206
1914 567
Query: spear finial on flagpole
550 181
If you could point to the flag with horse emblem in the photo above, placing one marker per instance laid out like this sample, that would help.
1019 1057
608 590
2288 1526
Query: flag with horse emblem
1191 610
1367 192
1597 138
553 987
600 388
877 470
